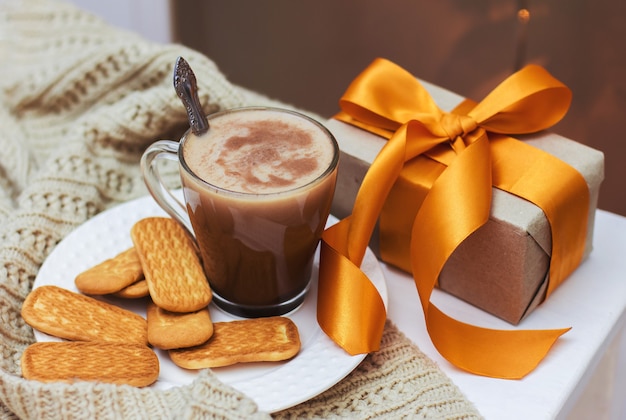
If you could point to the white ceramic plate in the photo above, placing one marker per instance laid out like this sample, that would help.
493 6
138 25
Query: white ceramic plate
273 386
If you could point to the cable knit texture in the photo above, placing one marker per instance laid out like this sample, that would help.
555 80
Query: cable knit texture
80 101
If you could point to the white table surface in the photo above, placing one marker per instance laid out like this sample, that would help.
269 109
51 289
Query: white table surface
592 301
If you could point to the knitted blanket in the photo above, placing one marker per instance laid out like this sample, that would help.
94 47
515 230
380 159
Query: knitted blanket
79 102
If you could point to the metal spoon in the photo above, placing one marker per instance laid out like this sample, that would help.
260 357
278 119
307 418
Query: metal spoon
187 90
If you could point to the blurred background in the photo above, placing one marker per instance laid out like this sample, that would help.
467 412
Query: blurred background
307 52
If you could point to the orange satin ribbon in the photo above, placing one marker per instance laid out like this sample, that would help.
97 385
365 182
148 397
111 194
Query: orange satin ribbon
453 154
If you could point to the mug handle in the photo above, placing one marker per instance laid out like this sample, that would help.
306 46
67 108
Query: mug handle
163 149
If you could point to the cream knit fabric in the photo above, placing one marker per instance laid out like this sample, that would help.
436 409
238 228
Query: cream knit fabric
79 103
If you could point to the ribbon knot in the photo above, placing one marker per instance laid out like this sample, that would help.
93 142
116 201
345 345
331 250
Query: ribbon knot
454 125
387 100
456 128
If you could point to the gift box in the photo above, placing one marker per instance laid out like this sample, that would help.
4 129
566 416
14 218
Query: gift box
503 266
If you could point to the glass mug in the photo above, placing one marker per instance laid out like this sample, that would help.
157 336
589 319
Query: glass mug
257 187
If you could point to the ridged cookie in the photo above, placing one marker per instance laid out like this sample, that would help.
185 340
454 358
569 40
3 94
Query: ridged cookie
111 275
70 361
170 264
65 314
251 340
172 330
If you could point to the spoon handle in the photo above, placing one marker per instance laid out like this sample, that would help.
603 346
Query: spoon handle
187 90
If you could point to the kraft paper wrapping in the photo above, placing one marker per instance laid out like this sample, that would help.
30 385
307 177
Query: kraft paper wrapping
502 268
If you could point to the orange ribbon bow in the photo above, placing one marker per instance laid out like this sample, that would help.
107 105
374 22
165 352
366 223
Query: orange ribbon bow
471 154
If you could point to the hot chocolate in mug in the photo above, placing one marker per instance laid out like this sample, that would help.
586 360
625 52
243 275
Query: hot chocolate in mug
258 187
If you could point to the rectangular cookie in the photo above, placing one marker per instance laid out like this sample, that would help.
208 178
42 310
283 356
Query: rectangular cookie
71 361
73 316
172 268
251 340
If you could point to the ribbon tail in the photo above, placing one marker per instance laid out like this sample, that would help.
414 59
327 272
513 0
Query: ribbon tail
349 308
507 354
458 204
351 311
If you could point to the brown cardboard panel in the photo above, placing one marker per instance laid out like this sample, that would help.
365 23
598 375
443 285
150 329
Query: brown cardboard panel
498 268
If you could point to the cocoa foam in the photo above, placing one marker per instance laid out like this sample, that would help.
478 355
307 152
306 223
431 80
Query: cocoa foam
259 152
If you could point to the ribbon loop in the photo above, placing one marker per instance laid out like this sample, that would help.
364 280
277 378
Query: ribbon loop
528 101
